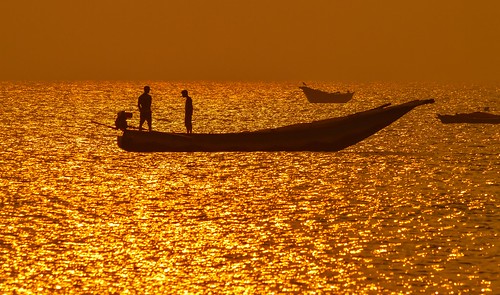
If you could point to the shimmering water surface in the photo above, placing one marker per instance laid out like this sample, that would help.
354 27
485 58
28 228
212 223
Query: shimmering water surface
414 208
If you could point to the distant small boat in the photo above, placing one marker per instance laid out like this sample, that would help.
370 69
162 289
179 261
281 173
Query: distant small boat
325 135
472 118
319 96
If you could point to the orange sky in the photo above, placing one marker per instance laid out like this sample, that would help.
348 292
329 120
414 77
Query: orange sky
328 40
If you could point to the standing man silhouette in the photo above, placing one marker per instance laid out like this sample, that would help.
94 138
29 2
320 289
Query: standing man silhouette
188 112
144 104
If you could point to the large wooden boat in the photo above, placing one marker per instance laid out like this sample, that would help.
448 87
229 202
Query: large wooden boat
325 135
319 96
472 118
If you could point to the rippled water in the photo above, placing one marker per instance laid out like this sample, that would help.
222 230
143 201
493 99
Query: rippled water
415 208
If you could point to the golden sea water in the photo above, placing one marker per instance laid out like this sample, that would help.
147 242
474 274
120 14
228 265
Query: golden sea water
412 209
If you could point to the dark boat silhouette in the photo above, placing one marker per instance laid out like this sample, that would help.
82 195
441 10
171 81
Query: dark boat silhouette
471 118
319 96
325 135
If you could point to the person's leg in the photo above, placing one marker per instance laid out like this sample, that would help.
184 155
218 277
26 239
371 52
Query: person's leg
141 121
189 124
150 122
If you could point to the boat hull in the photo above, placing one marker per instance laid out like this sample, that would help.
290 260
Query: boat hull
318 96
471 118
326 135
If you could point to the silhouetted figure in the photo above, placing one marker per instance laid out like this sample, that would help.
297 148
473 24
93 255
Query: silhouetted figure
188 112
144 105
121 120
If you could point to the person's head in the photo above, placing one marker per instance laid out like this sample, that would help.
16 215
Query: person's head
184 93
147 89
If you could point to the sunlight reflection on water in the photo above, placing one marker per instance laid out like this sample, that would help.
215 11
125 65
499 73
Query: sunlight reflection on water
412 209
